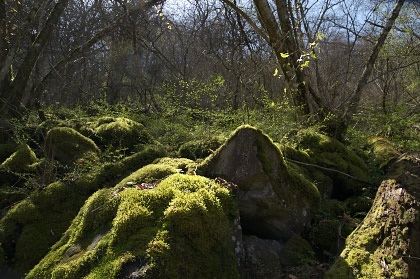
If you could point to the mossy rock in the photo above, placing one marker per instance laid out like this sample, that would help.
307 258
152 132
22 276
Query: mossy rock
297 251
384 244
31 227
21 160
121 132
330 153
323 182
182 165
384 151
180 229
66 145
275 199
197 149
6 150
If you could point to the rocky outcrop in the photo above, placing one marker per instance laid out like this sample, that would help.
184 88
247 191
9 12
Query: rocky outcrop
274 200
32 226
180 229
387 243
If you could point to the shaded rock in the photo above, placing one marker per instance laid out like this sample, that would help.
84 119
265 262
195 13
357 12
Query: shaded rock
262 258
66 145
6 149
386 244
297 251
274 200
330 153
323 182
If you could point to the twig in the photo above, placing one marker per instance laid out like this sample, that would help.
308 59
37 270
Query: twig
329 169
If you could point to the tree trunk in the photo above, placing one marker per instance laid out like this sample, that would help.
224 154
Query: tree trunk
363 81
14 95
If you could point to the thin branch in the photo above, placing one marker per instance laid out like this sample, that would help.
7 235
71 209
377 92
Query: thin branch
330 169
248 19
395 27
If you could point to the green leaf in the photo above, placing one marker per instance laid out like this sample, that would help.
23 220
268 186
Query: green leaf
276 72
284 55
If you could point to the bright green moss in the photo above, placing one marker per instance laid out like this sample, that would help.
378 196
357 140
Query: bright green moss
21 160
182 164
375 248
66 144
163 233
38 222
148 174
384 151
121 132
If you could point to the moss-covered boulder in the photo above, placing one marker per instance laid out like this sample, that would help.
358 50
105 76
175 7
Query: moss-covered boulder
21 160
329 153
275 199
179 229
66 145
386 244
303 165
6 149
121 132
384 151
31 227
182 165
200 149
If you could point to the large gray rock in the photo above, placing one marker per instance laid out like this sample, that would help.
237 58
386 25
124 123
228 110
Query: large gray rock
274 199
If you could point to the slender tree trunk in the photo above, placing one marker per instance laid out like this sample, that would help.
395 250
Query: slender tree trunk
4 46
357 94
14 95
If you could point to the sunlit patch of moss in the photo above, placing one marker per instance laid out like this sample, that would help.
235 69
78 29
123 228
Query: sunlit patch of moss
20 161
161 233
182 164
148 174
121 132
38 222
384 150
377 247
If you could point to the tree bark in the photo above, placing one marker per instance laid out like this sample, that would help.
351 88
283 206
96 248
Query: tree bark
17 88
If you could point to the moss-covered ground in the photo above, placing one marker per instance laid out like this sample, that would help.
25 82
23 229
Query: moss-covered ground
31 227
134 211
